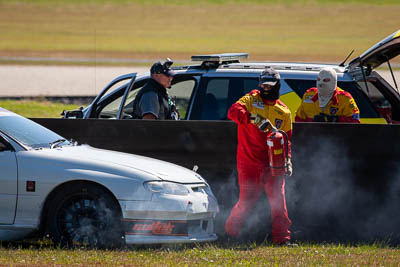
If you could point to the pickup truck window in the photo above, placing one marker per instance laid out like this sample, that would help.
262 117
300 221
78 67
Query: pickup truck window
384 101
181 92
215 99
221 93
110 111
108 108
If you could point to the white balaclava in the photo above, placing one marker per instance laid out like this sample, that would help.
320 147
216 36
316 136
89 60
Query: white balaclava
326 84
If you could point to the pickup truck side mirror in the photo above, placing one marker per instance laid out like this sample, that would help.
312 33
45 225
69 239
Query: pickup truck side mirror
77 113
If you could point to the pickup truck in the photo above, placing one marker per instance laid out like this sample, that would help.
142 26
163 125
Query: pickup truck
206 90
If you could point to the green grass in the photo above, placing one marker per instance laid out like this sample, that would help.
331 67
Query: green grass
35 108
267 30
208 255
40 253
195 2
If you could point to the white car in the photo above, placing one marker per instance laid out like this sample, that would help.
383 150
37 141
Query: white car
87 196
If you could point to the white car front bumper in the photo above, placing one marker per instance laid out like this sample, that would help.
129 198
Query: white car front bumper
170 219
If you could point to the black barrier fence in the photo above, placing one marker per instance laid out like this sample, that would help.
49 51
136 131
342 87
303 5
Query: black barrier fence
345 185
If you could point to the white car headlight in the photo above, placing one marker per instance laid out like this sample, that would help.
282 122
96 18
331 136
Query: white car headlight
208 190
167 188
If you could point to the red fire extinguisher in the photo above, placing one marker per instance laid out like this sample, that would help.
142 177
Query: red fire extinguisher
277 147
277 155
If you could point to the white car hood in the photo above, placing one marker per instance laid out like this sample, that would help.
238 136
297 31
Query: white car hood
160 169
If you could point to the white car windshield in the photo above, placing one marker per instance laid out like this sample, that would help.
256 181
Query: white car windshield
29 133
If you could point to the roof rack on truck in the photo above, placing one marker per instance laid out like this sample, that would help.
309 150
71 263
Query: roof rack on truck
215 60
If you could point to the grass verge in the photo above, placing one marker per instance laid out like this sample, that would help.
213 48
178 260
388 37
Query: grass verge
37 108
267 30
208 255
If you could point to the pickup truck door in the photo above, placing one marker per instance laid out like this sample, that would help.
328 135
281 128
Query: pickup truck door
8 182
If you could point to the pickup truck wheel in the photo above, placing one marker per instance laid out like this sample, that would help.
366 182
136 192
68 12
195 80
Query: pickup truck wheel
85 215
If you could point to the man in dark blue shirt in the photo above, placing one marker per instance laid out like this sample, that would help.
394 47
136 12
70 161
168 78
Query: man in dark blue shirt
152 101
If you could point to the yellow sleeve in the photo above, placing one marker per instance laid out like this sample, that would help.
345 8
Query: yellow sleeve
350 108
300 111
287 124
246 100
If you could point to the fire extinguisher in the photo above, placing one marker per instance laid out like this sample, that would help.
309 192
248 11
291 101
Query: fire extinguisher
277 147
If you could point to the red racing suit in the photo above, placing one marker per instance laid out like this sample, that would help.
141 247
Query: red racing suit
341 104
252 164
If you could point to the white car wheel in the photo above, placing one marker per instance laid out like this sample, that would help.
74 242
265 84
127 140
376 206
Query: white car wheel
85 215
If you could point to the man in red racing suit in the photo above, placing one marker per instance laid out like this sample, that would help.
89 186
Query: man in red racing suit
252 157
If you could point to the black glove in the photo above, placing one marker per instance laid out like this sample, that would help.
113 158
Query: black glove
332 118
260 122
321 117
325 118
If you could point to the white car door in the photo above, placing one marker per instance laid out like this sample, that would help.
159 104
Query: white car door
8 183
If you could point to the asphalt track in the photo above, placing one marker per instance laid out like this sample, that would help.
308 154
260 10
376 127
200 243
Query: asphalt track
35 81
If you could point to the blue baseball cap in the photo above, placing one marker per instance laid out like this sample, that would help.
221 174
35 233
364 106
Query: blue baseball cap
162 68
269 76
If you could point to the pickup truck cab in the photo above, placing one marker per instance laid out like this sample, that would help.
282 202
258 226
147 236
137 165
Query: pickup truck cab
206 90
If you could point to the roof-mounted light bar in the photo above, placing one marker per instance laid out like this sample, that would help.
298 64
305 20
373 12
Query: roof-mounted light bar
217 59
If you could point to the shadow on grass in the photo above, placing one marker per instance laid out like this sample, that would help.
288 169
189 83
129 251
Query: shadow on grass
42 244
221 243
28 244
